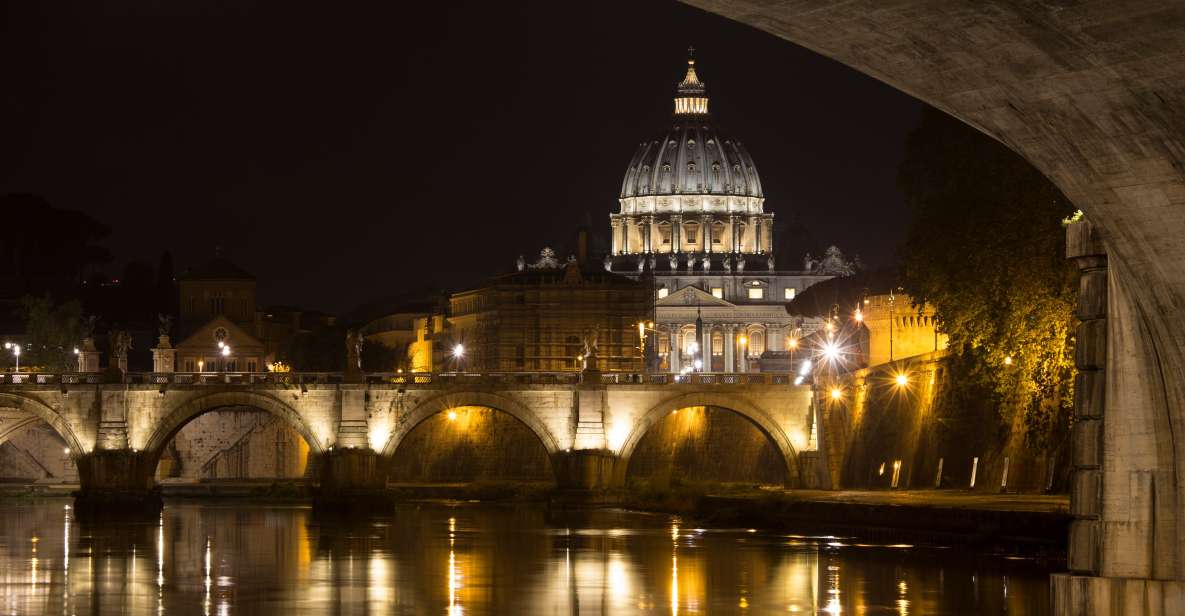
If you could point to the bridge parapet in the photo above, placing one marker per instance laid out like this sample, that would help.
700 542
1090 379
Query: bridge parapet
398 378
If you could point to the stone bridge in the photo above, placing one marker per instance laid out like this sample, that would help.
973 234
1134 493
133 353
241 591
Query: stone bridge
589 424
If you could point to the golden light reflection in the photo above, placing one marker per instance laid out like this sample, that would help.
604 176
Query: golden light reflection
454 572
674 569
206 600
902 602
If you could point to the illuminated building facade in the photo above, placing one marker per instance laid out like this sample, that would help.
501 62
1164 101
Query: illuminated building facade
692 219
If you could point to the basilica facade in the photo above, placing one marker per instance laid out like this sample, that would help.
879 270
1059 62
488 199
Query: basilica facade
692 221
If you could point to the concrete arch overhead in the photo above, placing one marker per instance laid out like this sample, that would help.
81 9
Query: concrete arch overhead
177 418
736 404
12 427
444 402
43 412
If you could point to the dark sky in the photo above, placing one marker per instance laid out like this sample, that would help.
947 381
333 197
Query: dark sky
343 155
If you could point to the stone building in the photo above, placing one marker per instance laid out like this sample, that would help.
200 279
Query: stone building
540 317
217 304
692 216
897 329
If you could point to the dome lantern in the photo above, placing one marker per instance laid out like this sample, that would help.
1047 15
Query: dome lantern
691 96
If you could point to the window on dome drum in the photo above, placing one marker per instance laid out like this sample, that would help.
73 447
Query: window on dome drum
663 292
718 292
756 293
790 291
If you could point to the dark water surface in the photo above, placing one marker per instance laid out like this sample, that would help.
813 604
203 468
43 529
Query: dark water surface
234 558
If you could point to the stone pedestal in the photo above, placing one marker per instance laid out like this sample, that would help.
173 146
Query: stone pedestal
585 470
164 356
116 479
88 356
351 477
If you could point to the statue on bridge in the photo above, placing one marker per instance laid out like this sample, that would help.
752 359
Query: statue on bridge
590 349
354 341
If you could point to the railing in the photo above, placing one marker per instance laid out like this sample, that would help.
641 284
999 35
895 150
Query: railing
399 378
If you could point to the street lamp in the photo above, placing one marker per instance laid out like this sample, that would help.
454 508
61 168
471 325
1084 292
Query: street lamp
16 352
643 327
458 354
902 379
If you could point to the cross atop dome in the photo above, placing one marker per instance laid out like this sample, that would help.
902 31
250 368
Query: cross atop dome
691 99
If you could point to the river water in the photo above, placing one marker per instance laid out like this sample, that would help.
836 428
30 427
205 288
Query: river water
233 558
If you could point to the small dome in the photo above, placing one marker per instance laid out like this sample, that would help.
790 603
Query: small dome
693 157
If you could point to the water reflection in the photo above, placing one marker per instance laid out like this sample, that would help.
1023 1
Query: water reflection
436 559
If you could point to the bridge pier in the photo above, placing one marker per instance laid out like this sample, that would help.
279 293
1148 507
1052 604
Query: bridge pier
116 479
351 476
589 470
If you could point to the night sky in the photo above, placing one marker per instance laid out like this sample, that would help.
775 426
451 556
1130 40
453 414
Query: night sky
344 155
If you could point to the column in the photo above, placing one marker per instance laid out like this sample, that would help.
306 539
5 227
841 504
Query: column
774 338
729 347
676 233
625 234
706 226
755 225
743 360
735 222
615 225
705 348
647 223
768 225
673 351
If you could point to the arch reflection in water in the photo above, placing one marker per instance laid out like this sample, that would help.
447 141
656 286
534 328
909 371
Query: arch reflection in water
519 559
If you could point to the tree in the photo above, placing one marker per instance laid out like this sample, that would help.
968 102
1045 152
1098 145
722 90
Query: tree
986 248
51 333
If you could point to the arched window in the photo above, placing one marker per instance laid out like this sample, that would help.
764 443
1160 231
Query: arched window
690 233
756 344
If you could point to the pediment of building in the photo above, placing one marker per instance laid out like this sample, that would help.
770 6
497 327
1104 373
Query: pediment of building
692 296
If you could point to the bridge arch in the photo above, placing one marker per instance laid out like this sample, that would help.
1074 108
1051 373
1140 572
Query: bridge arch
736 404
446 401
178 417
40 411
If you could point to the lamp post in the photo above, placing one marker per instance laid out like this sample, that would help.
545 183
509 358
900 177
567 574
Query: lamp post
643 327
16 352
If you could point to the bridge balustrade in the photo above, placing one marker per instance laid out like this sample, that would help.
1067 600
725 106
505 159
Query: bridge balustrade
400 378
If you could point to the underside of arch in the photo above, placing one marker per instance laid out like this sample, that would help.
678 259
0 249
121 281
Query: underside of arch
183 414
755 415
444 402
40 411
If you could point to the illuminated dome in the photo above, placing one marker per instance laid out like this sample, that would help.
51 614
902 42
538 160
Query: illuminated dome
695 190
693 157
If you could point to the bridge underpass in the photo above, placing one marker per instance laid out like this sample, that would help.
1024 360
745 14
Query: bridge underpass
1092 93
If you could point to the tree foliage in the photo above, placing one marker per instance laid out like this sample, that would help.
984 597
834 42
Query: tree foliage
986 248
51 333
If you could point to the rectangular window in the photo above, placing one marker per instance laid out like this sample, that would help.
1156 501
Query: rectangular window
663 293
251 365
790 292
718 292
756 293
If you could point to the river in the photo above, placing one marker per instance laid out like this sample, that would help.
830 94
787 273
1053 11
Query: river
223 558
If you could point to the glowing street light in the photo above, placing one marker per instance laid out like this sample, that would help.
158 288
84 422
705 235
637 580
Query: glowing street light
902 379
859 316
458 351
1007 360
452 415
836 393
16 352
830 351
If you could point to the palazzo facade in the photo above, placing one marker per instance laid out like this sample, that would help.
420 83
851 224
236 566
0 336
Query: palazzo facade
692 219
